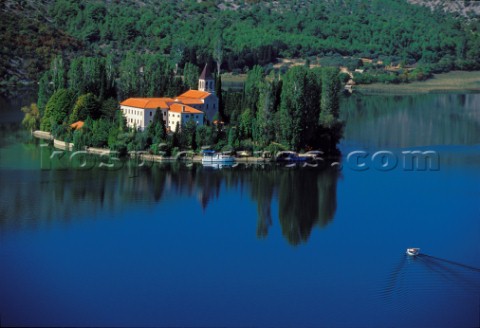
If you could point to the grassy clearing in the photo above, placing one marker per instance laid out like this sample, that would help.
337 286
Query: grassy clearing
230 78
446 82
233 82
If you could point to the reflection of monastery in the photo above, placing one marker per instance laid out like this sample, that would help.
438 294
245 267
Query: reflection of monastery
193 105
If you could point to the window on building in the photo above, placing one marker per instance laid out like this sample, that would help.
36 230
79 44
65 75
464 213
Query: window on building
207 106
151 113
213 106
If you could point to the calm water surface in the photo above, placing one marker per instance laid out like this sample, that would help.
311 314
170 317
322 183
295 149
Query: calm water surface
174 245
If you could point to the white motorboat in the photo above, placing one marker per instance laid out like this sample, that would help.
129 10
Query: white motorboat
213 157
413 251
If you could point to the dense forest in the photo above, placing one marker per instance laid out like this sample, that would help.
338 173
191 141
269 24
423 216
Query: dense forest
239 34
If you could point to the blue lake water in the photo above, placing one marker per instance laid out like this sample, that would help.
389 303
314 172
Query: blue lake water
178 245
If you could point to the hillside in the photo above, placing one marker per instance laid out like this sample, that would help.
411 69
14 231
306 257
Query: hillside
245 33
29 41
466 8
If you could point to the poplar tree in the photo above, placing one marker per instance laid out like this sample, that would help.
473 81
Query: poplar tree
292 107
190 75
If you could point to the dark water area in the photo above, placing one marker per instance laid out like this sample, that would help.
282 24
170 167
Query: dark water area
10 112
263 246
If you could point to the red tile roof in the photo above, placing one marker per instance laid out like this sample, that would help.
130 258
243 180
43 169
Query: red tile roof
147 103
189 101
195 94
77 125
178 108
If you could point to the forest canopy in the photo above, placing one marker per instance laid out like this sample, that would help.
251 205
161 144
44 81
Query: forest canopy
257 32
236 34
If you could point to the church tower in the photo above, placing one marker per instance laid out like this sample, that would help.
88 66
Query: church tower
206 82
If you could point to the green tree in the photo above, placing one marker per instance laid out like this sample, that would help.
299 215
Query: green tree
187 135
233 137
219 94
94 76
130 76
253 84
31 120
266 116
156 129
293 109
75 76
201 136
190 75
85 106
58 74
246 124
218 53
45 91
57 109
157 76
312 107
109 108
100 133
330 103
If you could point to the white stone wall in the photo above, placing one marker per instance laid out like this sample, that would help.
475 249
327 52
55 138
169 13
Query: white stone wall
139 117
173 119
182 119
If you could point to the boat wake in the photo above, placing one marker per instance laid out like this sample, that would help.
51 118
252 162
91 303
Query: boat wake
424 275
437 259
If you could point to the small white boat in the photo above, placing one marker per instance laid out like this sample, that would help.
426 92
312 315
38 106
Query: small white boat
213 157
413 251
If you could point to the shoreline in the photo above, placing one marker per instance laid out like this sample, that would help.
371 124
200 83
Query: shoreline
62 145
145 156
451 82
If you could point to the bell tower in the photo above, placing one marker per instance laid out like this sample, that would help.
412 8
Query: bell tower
206 82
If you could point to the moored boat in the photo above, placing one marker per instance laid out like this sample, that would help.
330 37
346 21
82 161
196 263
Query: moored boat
210 156
289 156
413 251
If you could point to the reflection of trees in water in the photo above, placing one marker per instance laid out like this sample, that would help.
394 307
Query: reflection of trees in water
306 197
412 120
